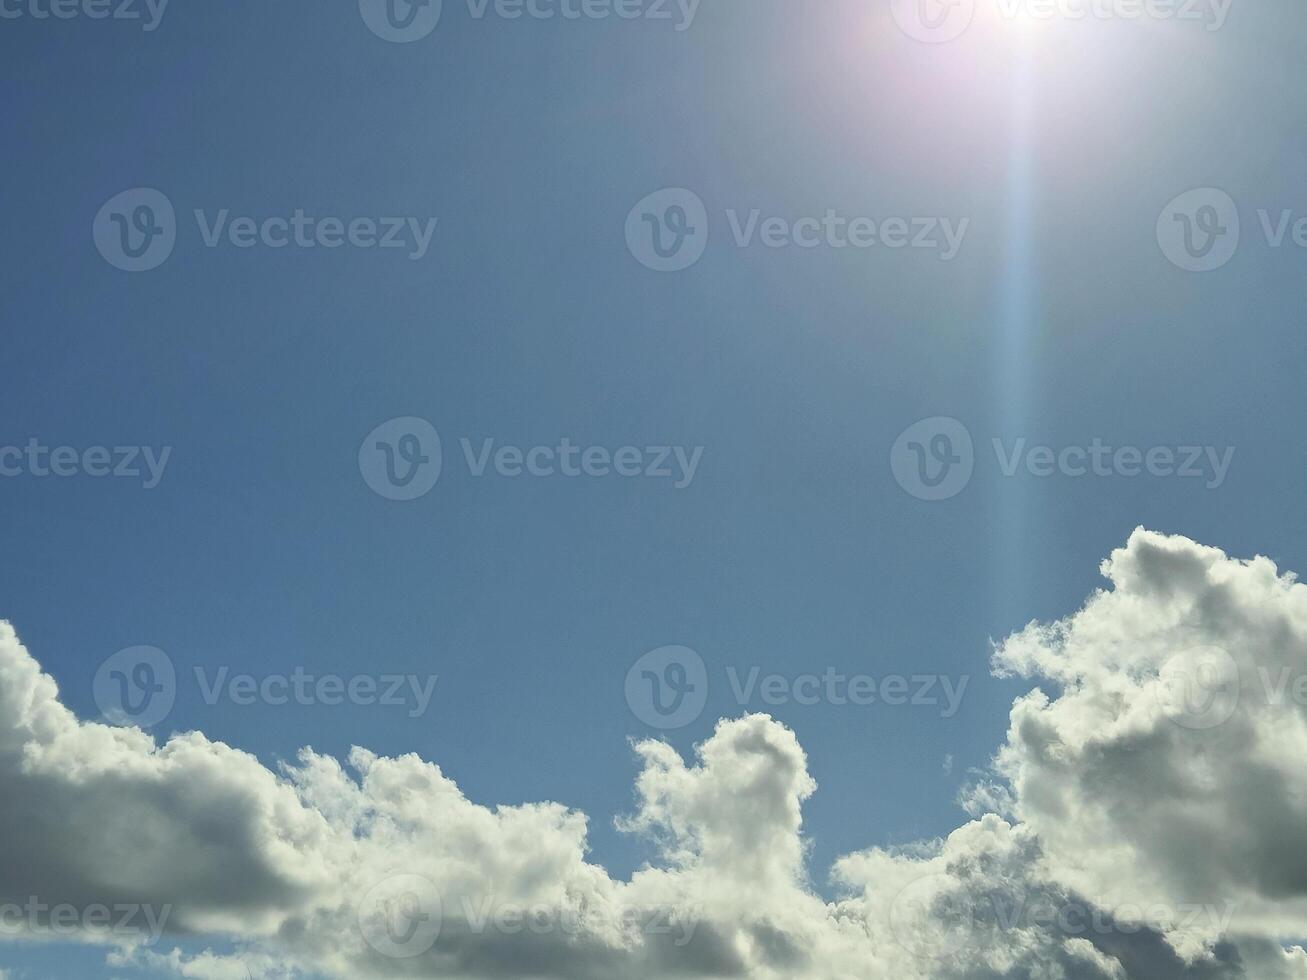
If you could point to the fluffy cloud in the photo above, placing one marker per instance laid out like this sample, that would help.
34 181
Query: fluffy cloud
1168 761
1146 819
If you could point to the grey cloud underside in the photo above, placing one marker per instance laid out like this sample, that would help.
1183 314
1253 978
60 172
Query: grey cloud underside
1100 801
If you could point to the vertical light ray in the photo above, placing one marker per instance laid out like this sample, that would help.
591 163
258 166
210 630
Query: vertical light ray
1016 326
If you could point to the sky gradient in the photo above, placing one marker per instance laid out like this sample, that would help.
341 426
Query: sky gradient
511 154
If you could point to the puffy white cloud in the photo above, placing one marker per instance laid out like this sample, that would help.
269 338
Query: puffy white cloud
1146 820
1168 761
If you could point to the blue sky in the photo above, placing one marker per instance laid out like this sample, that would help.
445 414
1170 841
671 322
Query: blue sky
528 320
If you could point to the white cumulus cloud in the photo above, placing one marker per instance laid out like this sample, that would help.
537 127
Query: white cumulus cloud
1146 818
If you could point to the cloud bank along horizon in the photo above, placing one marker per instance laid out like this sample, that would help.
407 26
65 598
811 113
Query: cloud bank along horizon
1146 817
